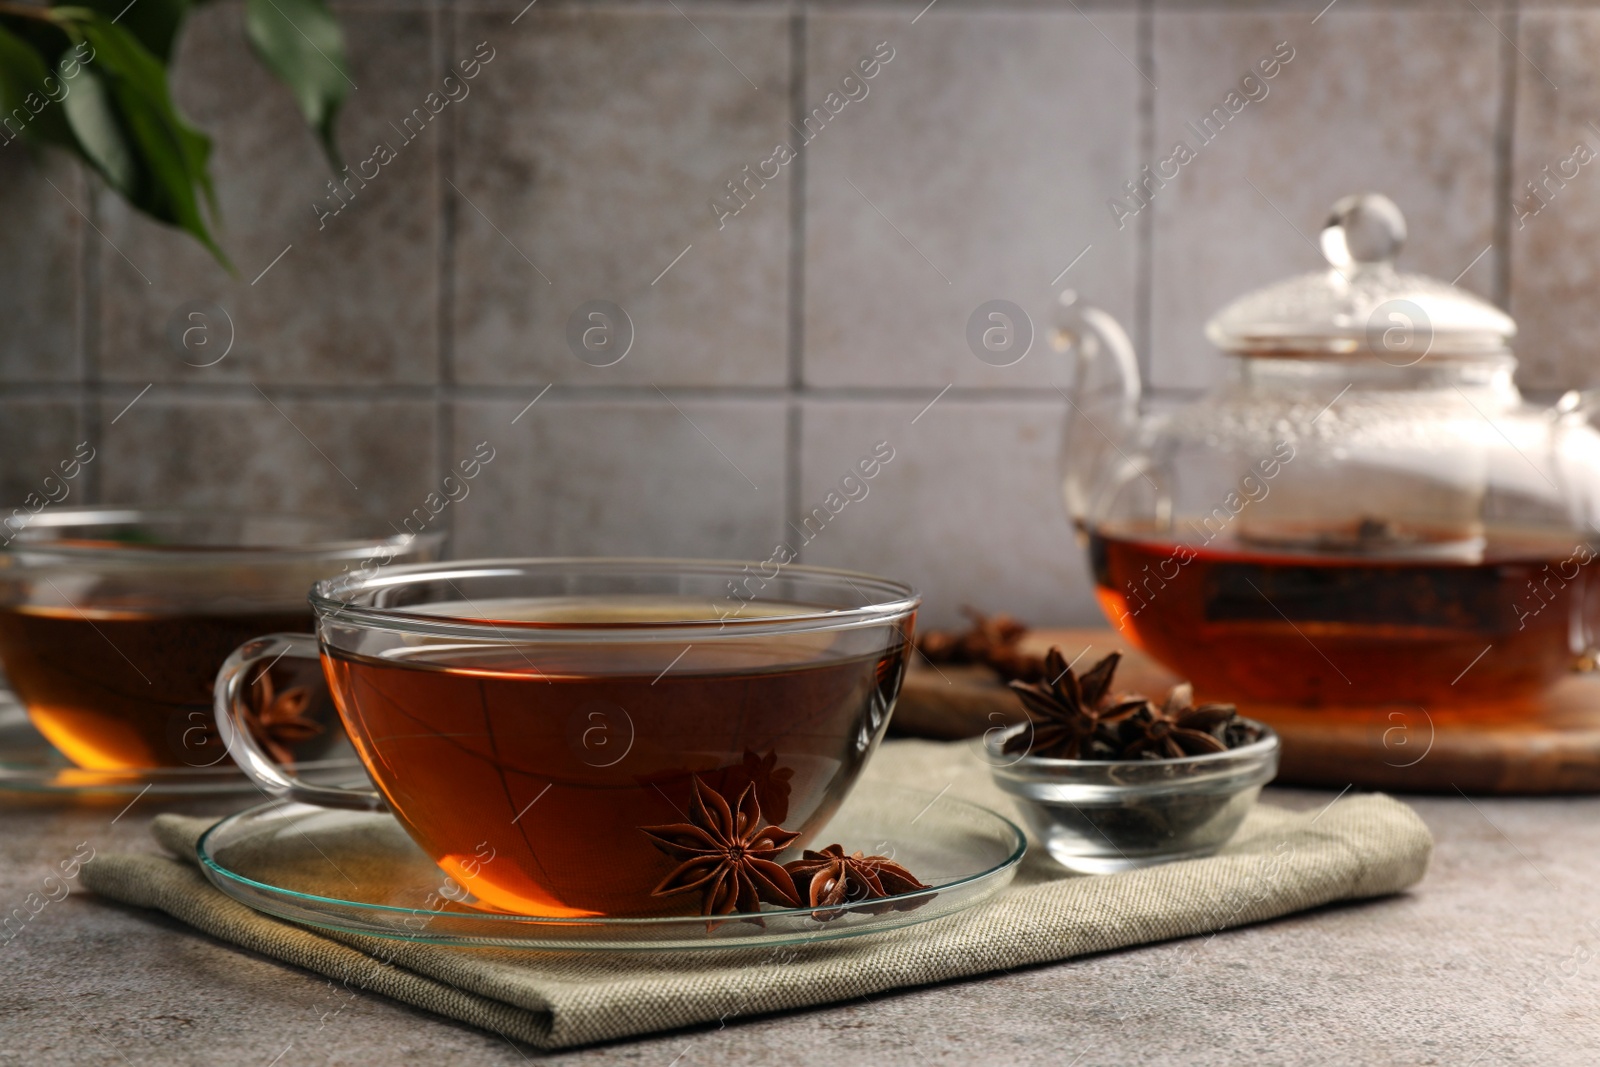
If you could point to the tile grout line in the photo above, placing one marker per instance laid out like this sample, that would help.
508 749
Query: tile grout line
893 8
80 332
794 433
799 26
355 392
444 37
1144 256
1504 148
888 8
92 299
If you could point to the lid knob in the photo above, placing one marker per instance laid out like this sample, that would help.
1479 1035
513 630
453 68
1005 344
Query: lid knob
1363 230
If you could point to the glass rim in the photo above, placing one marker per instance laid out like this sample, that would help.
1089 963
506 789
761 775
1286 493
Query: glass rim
344 538
887 599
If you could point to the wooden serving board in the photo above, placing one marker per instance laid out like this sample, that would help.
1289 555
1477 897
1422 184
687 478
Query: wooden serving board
1554 750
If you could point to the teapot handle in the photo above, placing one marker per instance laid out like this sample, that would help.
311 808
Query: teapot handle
1574 471
1577 410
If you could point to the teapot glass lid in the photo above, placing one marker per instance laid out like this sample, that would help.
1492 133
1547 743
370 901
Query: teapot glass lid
1361 304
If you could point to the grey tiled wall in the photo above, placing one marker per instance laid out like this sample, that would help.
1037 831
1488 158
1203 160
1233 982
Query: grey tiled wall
373 349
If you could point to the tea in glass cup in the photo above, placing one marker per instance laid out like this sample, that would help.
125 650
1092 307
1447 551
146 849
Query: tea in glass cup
527 721
114 621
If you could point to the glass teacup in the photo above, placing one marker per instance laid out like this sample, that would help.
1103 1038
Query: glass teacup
115 620
527 720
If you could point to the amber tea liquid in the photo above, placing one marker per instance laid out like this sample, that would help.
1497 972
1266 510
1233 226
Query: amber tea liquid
125 690
527 776
1254 625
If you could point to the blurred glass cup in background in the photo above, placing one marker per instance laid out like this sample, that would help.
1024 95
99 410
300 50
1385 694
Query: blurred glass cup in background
114 621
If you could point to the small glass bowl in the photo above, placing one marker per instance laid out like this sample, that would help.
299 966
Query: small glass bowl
1104 816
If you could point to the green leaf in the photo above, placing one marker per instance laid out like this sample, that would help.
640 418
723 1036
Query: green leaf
132 118
154 22
301 43
92 116
44 33
31 95
197 153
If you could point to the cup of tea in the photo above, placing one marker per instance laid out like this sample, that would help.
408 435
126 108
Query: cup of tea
527 721
114 622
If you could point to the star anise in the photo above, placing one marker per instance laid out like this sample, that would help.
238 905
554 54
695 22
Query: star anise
1071 717
771 782
830 878
279 720
727 854
1176 729
991 640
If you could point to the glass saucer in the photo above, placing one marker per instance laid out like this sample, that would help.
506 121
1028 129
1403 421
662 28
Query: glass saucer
31 765
358 872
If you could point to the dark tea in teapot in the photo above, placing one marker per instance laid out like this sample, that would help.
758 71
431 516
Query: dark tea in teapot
1489 626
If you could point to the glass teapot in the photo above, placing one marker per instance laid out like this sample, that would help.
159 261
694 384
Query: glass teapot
1366 513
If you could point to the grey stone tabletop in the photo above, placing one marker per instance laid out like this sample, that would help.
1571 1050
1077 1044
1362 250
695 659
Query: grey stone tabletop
1490 960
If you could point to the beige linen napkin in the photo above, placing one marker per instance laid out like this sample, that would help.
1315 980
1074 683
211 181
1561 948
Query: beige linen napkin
1280 862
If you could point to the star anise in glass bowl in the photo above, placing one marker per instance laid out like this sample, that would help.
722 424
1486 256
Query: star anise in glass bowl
1109 783
1179 729
1071 717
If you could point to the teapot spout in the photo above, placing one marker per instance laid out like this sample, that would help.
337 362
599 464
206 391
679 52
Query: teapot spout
1103 407
1105 368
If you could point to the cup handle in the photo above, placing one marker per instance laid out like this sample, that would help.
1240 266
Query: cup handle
234 727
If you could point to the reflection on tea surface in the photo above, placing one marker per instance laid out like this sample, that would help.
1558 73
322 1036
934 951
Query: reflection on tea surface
124 690
526 771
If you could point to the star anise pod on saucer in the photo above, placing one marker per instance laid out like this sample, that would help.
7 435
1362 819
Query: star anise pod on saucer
1177 728
727 855
279 721
830 878
1071 717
